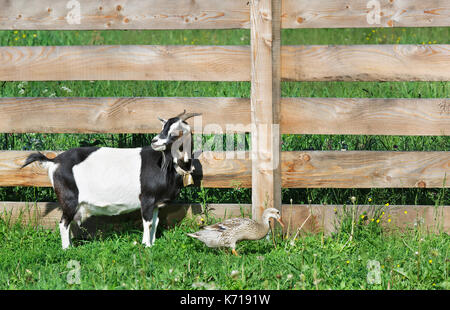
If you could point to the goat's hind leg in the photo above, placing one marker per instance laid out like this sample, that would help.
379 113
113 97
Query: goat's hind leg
69 206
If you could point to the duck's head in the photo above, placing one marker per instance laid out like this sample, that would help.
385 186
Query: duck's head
272 213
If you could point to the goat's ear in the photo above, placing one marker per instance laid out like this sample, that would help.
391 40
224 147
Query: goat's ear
162 120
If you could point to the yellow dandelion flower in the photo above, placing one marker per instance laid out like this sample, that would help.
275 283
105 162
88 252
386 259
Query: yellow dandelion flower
34 35
16 32
386 205
423 42
389 220
378 220
434 284
16 39
406 212
430 261
369 199
398 265
372 220
24 36
382 213
348 262
429 42
373 30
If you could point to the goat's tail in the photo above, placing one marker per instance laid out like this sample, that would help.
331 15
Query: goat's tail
35 157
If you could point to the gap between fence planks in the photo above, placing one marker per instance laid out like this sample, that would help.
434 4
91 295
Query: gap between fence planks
224 63
216 14
359 116
299 169
323 217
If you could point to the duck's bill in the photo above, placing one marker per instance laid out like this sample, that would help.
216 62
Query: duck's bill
281 222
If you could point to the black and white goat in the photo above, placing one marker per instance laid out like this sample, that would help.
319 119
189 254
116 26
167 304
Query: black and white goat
110 181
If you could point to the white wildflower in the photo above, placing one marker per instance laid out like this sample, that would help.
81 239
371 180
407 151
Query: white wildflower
234 274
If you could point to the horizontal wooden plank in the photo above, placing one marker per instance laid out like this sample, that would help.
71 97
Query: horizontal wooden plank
224 63
214 14
365 169
366 63
212 169
300 169
119 115
125 62
119 14
311 218
362 14
364 116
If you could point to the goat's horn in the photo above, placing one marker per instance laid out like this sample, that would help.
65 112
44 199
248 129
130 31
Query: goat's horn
189 115
181 114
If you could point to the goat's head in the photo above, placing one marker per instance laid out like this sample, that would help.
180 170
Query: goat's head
175 132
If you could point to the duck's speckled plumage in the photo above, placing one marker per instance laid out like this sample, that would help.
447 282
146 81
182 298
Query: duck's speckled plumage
229 232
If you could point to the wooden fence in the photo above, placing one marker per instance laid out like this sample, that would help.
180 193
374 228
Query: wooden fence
265 63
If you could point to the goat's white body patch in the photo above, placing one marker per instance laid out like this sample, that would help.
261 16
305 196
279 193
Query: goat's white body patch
108 181
51 168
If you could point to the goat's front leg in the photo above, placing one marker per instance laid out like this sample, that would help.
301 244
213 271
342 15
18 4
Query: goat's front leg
149 220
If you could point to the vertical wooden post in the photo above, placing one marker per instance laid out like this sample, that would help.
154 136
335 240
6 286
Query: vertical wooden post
265 16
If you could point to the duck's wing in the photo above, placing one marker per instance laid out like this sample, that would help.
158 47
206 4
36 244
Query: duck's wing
230 224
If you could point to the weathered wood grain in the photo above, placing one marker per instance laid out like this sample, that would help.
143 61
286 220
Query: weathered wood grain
361 116
212 169
118 115
119 14
265 96
365 169
360 14
299 169
125 62
210 14
366 63
314 218
224 63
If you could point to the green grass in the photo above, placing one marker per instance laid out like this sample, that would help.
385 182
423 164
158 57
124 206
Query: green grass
32 258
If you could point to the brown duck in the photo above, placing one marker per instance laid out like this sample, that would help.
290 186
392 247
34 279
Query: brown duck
229 232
